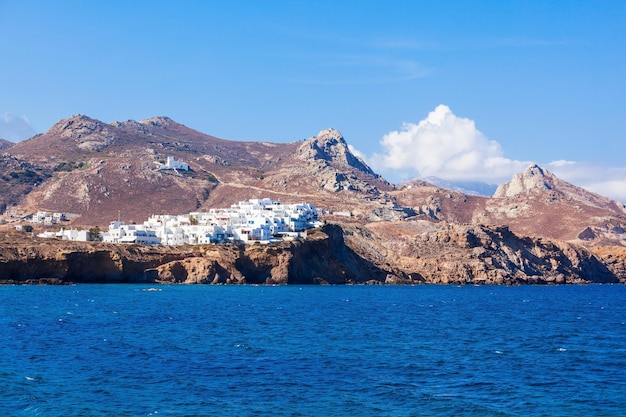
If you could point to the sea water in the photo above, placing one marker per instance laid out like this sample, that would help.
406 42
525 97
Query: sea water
130 350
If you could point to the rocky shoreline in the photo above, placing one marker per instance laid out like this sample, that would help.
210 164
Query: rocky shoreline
334 254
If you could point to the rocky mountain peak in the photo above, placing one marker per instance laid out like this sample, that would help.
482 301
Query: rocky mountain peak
158 121
329 145
330 137
533 180
144 126
89 134
539 184
75 122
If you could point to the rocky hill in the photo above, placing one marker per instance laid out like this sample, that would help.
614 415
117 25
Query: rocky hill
537 200
17 179
102 171
533 203
5 144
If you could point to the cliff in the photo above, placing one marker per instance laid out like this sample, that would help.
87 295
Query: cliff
347 254
479 254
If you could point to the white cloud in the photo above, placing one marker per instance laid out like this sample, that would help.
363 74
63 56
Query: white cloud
445 146
356 152
603 180
449 147
15 128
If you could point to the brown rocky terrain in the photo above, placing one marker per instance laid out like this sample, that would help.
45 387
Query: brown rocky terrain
535 229
480 254
102 171
5 144
17 179
533 203
322 259
351 254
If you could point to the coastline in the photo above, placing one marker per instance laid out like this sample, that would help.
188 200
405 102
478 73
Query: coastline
332 254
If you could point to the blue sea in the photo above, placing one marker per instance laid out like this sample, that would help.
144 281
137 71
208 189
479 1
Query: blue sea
133 350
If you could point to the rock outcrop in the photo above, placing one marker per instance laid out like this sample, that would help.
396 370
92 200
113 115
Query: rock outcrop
613 257
335 167
475 254
534 179
329 145
537 183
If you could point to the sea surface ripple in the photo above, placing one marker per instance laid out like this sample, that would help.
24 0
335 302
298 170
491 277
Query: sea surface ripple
133 350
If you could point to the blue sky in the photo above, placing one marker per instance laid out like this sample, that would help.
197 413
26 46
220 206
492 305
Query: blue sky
456 89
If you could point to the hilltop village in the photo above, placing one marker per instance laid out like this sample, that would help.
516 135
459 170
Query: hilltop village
256 220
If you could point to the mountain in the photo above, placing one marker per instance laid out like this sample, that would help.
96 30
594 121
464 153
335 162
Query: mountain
533 203
5 144
101 171
104 171
536 200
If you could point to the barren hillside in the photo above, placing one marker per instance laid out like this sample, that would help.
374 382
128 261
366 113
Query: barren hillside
101 171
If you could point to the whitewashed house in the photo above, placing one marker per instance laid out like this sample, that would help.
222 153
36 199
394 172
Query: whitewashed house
59 217
74 235
48 218
119 232
44 217
173 164
171 236
64 234
256 220
212 234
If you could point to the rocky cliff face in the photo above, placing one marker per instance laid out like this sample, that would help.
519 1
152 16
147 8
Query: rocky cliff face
349 254
533 180
478 254
322 259
329 145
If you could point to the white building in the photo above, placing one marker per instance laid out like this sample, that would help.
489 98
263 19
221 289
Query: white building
48 218
72 234
171 163
64 234
122 233
257 220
